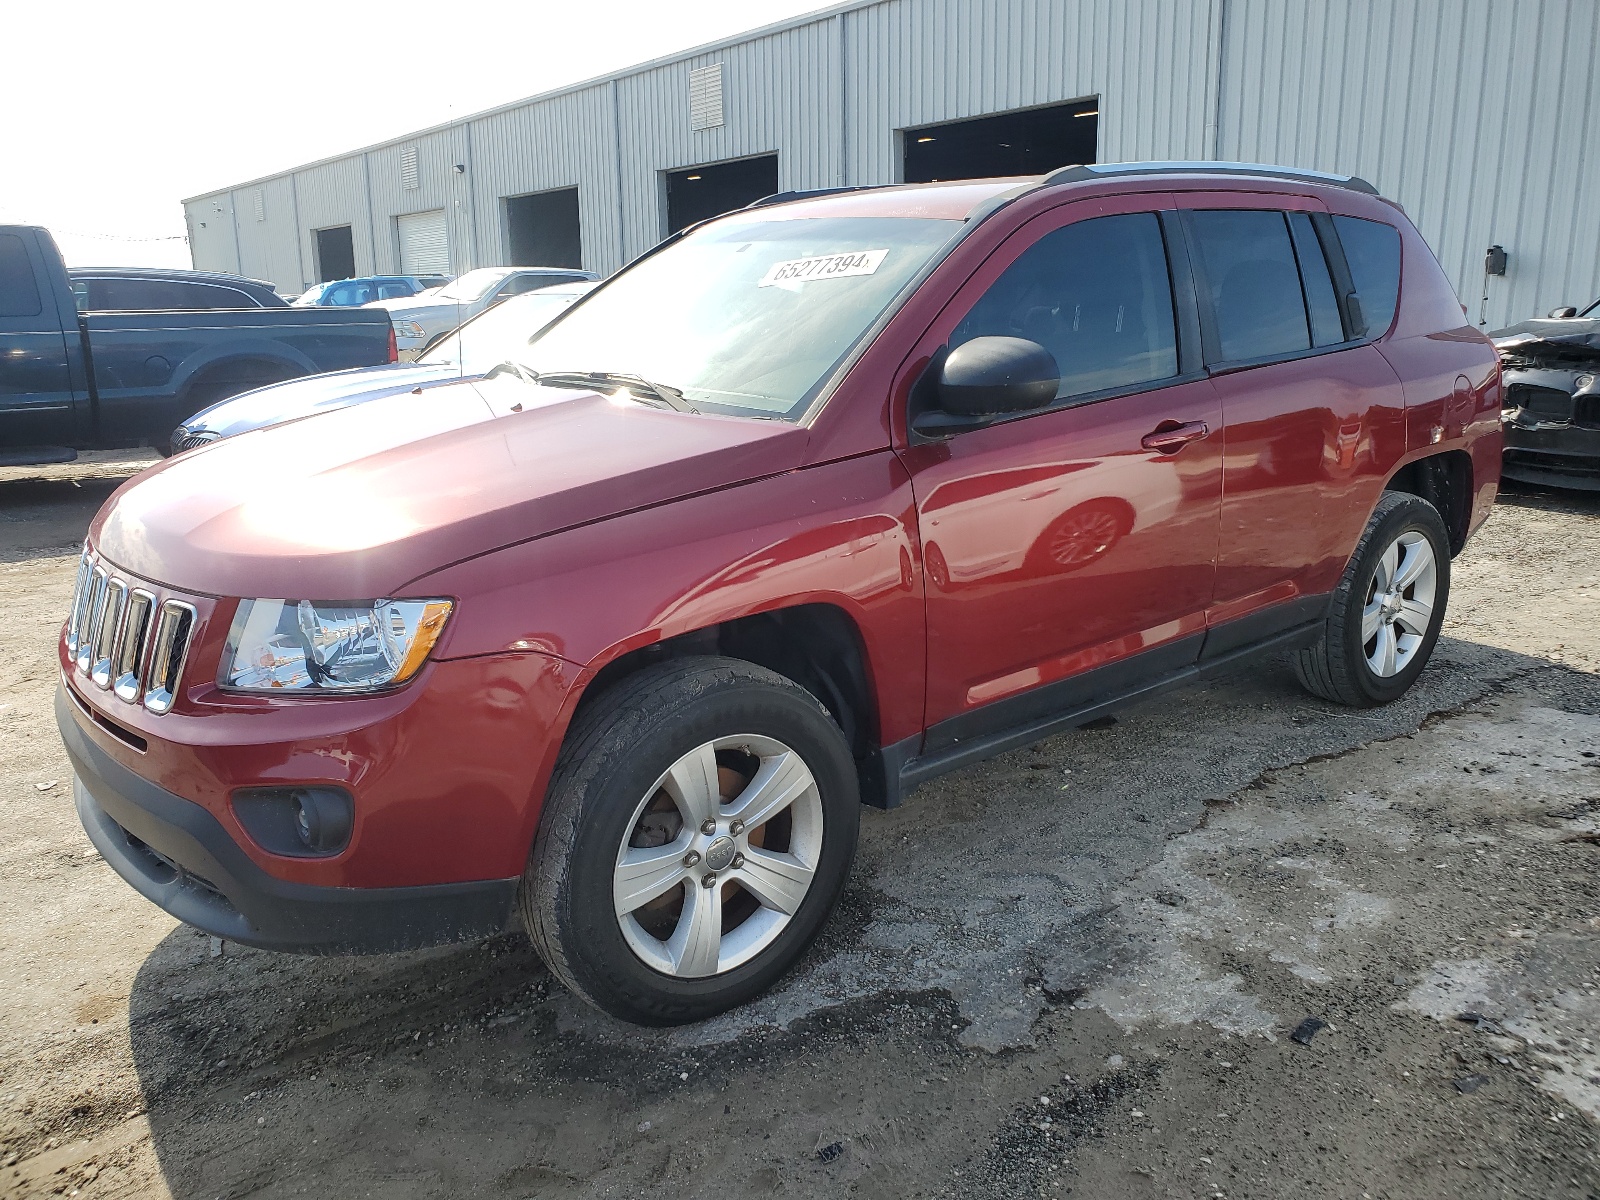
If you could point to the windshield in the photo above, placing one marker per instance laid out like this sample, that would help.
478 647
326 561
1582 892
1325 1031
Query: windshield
474 285
745 316
501 333
1592 311
311 295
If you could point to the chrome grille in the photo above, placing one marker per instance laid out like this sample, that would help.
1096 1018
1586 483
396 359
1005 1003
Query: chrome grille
123 640
182 440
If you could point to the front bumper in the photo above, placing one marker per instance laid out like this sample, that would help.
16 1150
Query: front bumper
176 854
1552 426
1557 455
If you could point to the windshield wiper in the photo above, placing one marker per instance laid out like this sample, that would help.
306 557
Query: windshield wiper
641 388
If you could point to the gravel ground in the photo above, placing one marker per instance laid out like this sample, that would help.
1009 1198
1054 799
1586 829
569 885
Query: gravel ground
1222 947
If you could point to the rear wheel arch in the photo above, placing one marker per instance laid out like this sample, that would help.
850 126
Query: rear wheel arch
1444 480
226 377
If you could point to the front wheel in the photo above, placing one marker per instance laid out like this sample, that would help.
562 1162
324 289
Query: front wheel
1385 614
699 827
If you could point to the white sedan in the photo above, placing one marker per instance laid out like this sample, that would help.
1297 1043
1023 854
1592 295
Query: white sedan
419 319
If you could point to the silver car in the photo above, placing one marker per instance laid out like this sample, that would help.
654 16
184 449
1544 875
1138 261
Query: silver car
420 319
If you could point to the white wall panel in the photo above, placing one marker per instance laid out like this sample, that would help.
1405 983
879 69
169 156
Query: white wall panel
780 94
335 193
565 141
439 188
918 62
211 242
267 247
1482 117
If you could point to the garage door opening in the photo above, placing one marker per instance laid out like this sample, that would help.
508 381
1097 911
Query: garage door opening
1030 141
542 229
336 254
696 193
424 243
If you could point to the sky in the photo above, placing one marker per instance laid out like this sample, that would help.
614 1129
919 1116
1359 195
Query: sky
117 111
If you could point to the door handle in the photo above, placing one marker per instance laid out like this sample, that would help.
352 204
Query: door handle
1171 436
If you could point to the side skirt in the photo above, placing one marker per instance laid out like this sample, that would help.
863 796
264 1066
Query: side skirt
904 765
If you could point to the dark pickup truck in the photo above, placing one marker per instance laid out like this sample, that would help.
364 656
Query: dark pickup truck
73 381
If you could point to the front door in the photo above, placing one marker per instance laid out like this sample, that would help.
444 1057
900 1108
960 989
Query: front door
1082 537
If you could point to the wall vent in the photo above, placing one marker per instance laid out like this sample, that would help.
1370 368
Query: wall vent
259 200
705 97
408 169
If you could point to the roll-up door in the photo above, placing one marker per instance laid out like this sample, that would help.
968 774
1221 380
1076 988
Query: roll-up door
424 244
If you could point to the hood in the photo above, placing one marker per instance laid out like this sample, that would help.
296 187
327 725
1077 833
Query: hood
1550 342
354 503
315 393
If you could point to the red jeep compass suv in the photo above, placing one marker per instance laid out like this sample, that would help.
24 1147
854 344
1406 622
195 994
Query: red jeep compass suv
815 501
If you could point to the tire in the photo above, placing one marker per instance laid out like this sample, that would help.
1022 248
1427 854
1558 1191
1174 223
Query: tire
1350 663
619 821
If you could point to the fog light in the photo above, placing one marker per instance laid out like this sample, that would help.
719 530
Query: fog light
303 821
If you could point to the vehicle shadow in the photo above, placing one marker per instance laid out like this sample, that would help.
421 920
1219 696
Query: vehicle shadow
41 516
469 1070
1515 494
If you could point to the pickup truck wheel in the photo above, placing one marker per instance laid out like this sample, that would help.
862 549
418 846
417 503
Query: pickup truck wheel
698 829
1385 615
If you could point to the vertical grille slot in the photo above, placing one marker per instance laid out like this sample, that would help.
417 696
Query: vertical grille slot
127 671
105 642
173 628
80 595
94 613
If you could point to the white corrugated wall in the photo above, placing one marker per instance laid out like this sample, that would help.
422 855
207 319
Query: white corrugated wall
1482 117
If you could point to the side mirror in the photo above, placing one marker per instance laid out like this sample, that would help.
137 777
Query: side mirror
1564 312
993 376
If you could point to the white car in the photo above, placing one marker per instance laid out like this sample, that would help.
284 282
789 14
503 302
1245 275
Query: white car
419 319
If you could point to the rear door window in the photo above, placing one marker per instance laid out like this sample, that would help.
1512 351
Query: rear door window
135 295
1321 304
207 295
1097 295
349 295
1253 283
19 293
1372 250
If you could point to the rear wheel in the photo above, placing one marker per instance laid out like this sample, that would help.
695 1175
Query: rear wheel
1385 615
698 829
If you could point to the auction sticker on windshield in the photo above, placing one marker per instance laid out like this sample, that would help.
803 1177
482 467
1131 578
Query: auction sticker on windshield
825 266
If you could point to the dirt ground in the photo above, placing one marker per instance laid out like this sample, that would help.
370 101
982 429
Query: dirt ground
1081 969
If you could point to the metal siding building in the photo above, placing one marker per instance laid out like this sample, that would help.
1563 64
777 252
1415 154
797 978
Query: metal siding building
1481 117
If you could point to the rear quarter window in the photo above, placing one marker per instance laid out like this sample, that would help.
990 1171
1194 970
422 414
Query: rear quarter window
1372 250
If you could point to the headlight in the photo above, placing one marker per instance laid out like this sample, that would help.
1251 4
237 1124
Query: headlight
409 329
333 647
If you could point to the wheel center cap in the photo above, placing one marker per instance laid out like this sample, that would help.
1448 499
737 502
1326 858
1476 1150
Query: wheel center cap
720 853
1391 605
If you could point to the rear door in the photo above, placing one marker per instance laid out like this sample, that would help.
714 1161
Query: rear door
1311 413
38 403
1068 555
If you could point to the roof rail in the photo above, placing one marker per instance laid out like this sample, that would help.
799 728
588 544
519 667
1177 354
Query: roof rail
785 197
1084 173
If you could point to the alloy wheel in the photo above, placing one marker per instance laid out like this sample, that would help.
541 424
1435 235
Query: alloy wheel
718 856
1399 604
